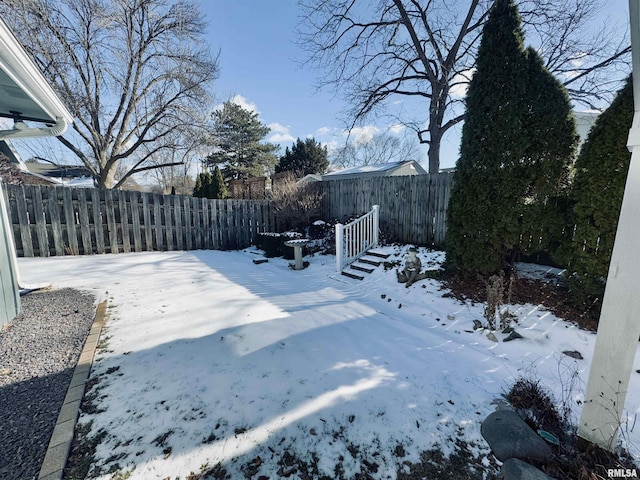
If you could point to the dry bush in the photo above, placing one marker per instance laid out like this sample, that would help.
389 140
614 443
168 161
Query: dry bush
296 205
495 296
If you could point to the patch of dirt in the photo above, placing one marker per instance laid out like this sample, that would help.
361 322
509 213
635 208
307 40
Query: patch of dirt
460 465
554 298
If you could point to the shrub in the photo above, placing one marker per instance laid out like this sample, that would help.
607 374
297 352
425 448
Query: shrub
517 141
296 205
600 176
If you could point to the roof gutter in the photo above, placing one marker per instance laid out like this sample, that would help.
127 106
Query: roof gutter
19 67
20 130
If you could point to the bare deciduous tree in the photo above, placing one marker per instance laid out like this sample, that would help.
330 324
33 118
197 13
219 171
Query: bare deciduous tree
134 73
372 51
382 148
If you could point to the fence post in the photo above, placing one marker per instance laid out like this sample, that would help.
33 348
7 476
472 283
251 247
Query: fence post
376 225
339 246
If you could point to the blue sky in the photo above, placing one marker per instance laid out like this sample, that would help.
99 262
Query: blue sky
260 66
260 63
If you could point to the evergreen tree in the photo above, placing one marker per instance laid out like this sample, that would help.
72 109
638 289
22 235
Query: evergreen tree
203 183
237 148
480 226
217 189
517 143
550 129
597 191
305 157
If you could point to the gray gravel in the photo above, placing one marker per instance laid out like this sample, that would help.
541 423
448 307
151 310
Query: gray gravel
38 352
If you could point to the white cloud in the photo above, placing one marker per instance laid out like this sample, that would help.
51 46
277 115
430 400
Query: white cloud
281 138
460 83
322 131
279 128
396 129
244 103
361 135
332 146
281 133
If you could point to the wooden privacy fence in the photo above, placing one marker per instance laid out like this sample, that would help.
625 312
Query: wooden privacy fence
71 221
413 209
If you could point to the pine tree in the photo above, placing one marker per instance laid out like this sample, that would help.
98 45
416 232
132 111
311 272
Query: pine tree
237 148
517 143
480 226
203 183
597 191
217 188
305 157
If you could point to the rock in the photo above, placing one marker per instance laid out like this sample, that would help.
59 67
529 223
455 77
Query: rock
477 324
258 261
573 354
514 469
510 437
492 337
512 336
451 317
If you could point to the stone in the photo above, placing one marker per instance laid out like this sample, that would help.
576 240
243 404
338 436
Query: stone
477 324
512 336
510 437
573 354
514 469
492 337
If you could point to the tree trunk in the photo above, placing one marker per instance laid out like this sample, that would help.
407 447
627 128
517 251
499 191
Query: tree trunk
434 152
107 178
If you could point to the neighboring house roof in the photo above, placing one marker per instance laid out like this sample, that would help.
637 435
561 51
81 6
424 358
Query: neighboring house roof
410 167
584 122
310 178
36 173
64 172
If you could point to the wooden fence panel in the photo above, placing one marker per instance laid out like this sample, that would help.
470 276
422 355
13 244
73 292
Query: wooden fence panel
65 221
412 208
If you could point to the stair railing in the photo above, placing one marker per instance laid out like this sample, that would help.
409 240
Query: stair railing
356 237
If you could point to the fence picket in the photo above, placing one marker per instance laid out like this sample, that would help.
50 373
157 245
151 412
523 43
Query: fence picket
41 222
51 206
70 219
135 222
98 221
23 218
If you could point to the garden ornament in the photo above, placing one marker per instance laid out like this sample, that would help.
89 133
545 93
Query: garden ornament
412 266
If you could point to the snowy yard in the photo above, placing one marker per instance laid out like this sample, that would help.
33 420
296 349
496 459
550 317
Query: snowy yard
212 359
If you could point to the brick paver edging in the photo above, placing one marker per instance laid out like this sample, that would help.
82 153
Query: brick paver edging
62 436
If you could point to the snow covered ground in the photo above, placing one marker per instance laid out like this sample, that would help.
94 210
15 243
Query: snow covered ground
212 359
